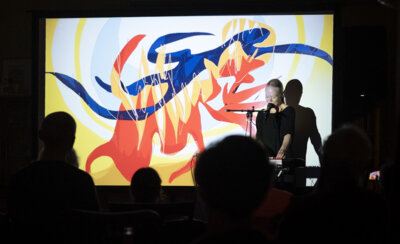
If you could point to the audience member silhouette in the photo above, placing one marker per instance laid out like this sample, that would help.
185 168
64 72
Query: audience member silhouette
42 193
268 215
341 209
178 226
145 186
233 177
305 124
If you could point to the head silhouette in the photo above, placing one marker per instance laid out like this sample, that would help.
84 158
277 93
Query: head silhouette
233 176
57 131
145 185
346 156
293 92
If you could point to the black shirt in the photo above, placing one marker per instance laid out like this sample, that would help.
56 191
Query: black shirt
46 189
272 127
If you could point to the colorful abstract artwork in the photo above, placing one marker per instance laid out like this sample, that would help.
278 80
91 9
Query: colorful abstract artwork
153 91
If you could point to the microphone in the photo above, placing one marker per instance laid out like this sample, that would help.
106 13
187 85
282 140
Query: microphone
269 106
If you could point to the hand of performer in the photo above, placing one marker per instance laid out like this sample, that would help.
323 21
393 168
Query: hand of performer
281 153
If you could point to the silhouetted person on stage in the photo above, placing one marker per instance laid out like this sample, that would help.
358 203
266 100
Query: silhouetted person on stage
233 177
42 193
341 209
305 123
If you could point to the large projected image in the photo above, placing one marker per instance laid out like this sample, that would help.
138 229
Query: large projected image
153 91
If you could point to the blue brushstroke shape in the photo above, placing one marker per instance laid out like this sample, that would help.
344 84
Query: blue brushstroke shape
138 114
189 65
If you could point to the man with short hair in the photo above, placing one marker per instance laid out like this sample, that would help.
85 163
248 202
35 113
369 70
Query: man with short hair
43 192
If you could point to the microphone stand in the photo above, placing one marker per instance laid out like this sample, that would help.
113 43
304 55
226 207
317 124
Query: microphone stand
249 115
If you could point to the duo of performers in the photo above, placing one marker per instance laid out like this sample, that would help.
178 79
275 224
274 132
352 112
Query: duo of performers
275 124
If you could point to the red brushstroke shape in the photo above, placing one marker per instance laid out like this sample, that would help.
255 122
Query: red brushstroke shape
124 148
126 52
232 99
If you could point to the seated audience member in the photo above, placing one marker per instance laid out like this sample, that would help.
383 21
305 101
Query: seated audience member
40 194
145 186
233 178
146 190
268 215
341 209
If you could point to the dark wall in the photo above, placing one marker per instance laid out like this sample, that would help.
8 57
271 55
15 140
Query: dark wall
365 63
369 69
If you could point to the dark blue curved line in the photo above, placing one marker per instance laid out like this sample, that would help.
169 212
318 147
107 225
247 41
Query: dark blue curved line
102 84
138 114
300 49
169 38
108 87
123 86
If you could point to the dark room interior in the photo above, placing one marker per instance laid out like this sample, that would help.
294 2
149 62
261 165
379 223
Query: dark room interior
365 89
